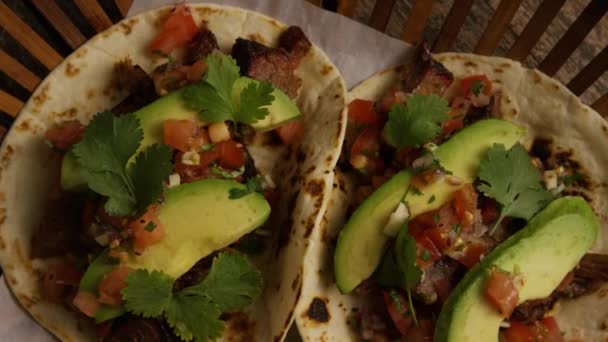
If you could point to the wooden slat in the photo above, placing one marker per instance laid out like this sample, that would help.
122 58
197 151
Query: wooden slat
416 22
575 34
123 6
347 7
601 105
496 27
29 39
94 13
381 14
10 104
535 28
590 73
452 25
61 22
18 72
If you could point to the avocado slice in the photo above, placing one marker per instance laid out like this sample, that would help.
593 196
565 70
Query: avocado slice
200 218
461 155
281 110
362 240
543 252
172 106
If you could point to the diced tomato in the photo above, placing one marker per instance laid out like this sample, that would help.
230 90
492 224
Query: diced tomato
545 330
423 332
566 281
362 112
180 134
57 278
472 253
465 204
518 332
501 292
111 285
66 134
291 132
549 330
86 302
367 143
177 31
399 312
147 230
427 251
439 237
484 83
196 71
452 125
272 196
231 154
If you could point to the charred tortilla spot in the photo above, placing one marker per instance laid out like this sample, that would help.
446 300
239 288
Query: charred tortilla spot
602 293
127 26
25 125
256 37
605 129
470 64
310 169
505 65
69 113
8 154
315 187
317 311
80 53
296 281
42 96
498 70
337 96
326 69
91 93
71 70
239 327
11 280
309 228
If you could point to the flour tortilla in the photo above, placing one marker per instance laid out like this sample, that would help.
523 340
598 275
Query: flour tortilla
538 103
80 87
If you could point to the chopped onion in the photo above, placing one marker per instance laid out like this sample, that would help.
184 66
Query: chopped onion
396 220
268 182
174 180
191 158
505 324
424 161
550 179
219 132
430 147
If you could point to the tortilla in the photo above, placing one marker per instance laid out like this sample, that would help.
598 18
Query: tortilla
546 109
80 87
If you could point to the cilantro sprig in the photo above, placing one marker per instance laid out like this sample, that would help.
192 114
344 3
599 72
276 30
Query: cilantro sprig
417 121
253 185
213 96
193 312
104 152
509 177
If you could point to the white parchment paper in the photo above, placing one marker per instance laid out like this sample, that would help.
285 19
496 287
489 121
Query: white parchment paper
357 50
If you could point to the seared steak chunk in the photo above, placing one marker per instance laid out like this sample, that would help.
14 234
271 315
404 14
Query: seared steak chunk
201 46
426 76
137 83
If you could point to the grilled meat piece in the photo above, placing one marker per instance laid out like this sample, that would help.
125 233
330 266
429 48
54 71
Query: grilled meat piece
61 230
201 46
534 310
137 83
274 65
426 76
137 329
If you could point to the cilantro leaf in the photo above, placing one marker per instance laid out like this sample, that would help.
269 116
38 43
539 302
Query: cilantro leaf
204 98
254 98
406 251
512 180
232 282
151 167
222 71
477 87
148 294
253 185
116 187
194 317
416 122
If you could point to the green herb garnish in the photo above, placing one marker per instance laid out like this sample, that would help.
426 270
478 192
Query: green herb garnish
477 87
228 174
253 185
212 97
150 227
431 199
405 253
511 179
416 122
104 152
194 312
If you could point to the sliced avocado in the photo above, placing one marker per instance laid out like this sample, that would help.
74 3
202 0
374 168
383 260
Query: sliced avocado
281 110
461 155
362 240
71 177
200 218
543 252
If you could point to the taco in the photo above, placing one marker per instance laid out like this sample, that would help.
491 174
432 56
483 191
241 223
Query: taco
148 184
469 205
